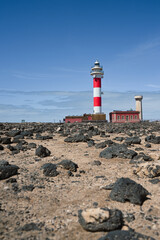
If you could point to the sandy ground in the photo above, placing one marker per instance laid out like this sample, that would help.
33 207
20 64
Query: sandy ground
55 201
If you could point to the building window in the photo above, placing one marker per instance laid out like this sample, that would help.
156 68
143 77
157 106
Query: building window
135 117
118 117
122 117
127 118
131 117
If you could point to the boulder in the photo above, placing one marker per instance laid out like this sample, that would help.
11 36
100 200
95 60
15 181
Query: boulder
13 133
125 235
31 145
117 150
1 147
125 189
141 157
100 219
100 145
6 140
50 170
27 133
153 139
133 140
7 170
77 138
69 165
91 143
42 151
120 139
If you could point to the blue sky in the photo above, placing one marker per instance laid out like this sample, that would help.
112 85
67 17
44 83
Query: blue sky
47 48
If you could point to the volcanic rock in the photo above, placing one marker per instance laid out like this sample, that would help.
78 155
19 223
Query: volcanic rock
30 227
69 165
31 145
100 219
120 139
7 170
153 139
1 147
133 140
141 157
91 143
42 151
117 150
125 235
6 140
148 145
50 170
13 133
100 145
77 138
125 189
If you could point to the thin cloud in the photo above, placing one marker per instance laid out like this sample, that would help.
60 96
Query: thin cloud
31 76
142 48
153 86
54 106
64 69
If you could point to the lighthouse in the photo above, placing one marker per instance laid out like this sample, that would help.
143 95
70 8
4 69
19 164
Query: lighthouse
139 106
97 73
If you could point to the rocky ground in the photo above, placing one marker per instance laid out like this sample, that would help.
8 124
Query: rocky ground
80 181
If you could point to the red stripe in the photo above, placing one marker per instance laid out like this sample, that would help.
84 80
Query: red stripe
97 101
96 82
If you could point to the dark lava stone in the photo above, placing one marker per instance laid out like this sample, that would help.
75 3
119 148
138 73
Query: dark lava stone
7 170
154 181
11 180
101 145
28 188
139 149
69 165
153 139
148 145
4 163
50 170
117 150
6 140
91 143
133 140
30 227
42 151
77 138
125 235
125 189
70 174
13 133
32 145
1 147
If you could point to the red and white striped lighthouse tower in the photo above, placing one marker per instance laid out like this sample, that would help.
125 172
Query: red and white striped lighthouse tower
97 73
